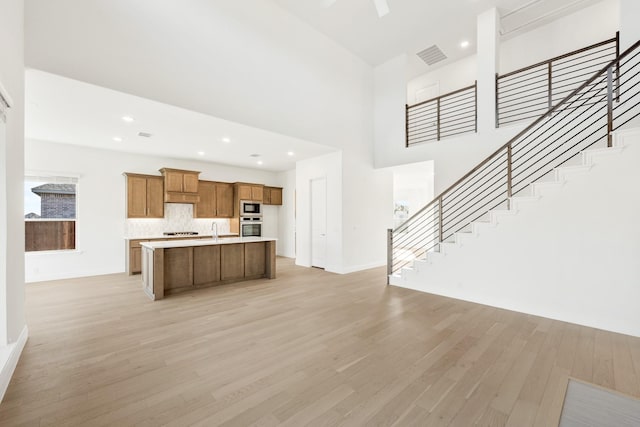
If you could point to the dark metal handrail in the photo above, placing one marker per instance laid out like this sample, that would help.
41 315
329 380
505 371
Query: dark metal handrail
585 117
525 93
446 115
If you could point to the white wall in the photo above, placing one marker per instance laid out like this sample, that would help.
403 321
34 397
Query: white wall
14 333
572 255
102 203
590 25
329 167
449 77
389 111
629 14
251 62
413 185
367 211
263 67
555 38
456 156
287 215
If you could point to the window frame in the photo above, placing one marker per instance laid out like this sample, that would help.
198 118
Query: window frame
55 177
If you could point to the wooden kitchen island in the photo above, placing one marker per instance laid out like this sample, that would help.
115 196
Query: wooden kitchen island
175 266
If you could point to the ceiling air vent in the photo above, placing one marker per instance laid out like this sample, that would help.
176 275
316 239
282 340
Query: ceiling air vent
144 134
432 55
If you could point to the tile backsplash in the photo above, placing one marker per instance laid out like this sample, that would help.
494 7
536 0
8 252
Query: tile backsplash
177 217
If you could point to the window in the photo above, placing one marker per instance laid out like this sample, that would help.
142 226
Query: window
50 205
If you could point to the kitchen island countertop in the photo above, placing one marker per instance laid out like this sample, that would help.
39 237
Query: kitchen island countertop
204 242
165 237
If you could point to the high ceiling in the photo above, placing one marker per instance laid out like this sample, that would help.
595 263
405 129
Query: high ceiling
194 72
413 25
92 116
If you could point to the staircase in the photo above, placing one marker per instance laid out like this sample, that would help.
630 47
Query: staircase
547 224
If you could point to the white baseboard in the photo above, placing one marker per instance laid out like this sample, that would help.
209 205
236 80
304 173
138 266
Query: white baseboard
33 278
354 268
9 357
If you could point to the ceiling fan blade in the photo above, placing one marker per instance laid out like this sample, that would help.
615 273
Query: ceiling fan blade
381 7
327 3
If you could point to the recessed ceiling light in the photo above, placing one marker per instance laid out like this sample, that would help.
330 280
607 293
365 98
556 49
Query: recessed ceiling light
117 139
127 119
290 153
226 140
464 44
200 153
259 162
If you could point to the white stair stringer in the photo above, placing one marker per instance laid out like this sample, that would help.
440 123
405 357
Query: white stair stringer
567 249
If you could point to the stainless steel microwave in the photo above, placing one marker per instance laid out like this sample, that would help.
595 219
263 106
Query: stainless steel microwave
249 208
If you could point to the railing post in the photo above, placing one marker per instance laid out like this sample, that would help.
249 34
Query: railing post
438 120
389 253
509 185
475 107
497 102
406 125
549 86
610 106
440 225
617 66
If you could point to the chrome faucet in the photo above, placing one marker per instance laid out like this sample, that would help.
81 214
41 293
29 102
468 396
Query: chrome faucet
214 228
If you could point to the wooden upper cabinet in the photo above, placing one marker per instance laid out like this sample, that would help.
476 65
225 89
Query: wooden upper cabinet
272 196
256 193
244 192
181 186
144 196
251 192
190 182
206 206
216 200
174 181
155 199
136 196
224 200
276 196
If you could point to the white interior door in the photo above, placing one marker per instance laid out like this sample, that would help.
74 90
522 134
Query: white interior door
318 222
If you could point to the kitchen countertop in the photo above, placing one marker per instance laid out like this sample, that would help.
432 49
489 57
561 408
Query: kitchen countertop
226 235
204 242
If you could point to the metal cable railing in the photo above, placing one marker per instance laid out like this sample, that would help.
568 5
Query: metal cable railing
609 99
447 115
526 93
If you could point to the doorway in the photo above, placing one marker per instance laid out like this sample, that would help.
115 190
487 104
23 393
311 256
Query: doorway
319 222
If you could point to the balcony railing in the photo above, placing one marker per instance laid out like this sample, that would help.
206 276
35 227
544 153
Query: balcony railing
526 93
454 113
606 101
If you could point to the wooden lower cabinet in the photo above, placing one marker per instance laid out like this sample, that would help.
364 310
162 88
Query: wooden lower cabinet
178 268
254 259
135 256
206 265
232 261
136 260
170 270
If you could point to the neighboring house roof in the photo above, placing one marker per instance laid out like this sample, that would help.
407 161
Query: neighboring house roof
55 189
31 215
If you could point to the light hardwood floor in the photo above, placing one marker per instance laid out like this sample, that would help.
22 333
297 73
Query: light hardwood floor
309 348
